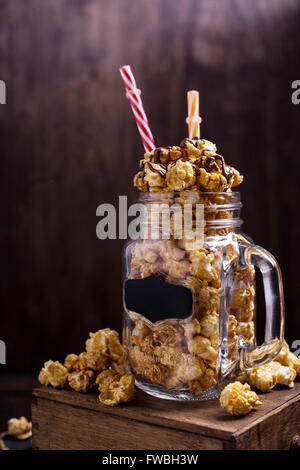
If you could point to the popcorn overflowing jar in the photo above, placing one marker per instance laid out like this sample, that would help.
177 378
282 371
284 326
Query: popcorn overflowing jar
189 288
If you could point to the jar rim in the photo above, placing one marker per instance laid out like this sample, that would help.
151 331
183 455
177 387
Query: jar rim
215 205
211 200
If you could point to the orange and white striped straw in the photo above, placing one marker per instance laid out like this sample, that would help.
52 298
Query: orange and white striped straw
133 94
193 120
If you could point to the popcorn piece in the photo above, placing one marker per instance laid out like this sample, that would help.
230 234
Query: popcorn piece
155 176
180 176
202 348
106 377
202 265
168 249
81 381
241 303
203 382
208 298
20 428
265 378
236 178
238 399
246 330
53 373
287 358
143 251
262 378
118 367
192 328
207 145
246 274
215 182
176 269
93 361
142 269
139 181
285 375
72 362
156 373
193 148
115 388
241 298
209 327
105 342
169 334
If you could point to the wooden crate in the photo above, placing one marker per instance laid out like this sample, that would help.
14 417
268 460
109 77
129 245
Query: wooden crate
68 420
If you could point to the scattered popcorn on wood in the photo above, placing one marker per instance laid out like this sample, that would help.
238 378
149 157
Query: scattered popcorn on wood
101 364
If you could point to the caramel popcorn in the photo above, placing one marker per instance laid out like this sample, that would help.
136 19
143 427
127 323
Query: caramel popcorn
262 378
115 389
285 375
241 299
238 399
81 381
246 330
176 269
53 373
201 347
287 358
194 163
103 355
93 361
19 428
72 362
105 342
180 176
209 327
168 249
202 265
106 377
214 182
266 377
155 177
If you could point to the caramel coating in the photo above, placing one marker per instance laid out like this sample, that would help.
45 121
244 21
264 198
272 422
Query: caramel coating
53 373
287 358
115 388
195 163
81 381
180 176
266 377
104 357
19 428
238 399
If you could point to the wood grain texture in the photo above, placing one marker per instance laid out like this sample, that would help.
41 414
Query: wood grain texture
272 426
68 142
57 426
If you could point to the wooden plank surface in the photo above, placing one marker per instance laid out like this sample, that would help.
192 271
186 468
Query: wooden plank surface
58 426
205 418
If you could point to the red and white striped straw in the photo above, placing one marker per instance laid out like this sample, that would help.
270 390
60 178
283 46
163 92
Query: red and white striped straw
133 94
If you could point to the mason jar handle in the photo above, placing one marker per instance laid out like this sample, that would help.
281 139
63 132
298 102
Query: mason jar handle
255 356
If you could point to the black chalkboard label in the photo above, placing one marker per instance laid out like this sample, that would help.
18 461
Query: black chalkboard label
157 299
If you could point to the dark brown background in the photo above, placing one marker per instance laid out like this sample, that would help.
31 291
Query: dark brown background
68 142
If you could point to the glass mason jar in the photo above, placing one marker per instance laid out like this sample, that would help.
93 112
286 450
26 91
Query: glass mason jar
189 296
